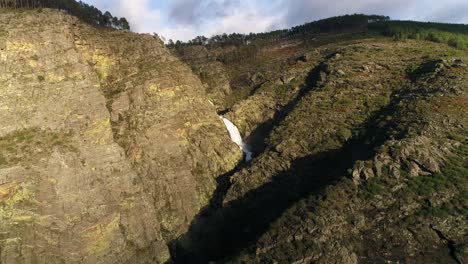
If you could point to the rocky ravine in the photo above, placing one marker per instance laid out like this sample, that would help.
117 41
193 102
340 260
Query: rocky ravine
108 144
363 161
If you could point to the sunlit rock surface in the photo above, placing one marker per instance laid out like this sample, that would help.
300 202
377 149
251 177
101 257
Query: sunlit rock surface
109 147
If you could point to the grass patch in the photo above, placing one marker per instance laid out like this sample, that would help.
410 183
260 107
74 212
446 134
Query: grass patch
30 144
372 188
453 178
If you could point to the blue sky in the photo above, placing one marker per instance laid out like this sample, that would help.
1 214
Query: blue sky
185 19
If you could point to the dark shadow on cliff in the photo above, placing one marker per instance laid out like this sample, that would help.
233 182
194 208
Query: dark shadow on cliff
226 230
257 139
223 231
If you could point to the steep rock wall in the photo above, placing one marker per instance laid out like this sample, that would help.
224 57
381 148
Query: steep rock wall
109 145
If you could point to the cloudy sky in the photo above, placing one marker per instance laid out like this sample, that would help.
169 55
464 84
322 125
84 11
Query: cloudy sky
185 19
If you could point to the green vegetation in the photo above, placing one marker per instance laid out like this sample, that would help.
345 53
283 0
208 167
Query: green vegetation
30 144
452 179
246 47
239 55
85 12
347 23
455 35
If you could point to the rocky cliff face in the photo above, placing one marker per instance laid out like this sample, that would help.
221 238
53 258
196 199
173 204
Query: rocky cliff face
109 146
211 72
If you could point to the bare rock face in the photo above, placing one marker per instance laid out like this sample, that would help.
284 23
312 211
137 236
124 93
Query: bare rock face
108 144
212 72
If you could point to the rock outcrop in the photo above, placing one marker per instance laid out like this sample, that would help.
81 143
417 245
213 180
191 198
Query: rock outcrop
211 72
109 146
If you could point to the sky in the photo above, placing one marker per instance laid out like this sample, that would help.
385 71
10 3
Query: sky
186 19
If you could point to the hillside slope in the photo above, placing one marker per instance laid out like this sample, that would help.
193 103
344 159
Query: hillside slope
360 145
109 146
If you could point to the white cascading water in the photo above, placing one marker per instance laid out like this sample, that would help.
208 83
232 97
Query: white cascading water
237 138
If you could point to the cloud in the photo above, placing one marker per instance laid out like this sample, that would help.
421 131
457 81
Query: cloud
300 11
141 17
456 13
195 12
209 17
185 19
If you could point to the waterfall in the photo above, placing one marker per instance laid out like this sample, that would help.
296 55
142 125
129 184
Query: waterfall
237 138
